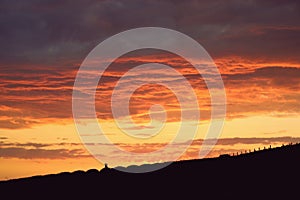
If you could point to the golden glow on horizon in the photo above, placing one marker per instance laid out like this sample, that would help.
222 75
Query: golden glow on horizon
253 127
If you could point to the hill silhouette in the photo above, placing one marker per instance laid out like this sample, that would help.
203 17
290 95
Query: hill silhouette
270 173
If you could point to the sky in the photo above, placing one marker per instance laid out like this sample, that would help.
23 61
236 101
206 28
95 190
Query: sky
254 44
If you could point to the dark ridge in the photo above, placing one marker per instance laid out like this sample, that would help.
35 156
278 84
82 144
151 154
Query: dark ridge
269 173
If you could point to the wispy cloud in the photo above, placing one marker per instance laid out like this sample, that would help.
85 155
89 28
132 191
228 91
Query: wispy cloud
23 153
76 150
31 150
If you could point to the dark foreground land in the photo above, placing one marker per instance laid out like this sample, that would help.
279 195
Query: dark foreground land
271 173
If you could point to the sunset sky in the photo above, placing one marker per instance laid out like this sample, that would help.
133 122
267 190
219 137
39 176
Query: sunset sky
254 44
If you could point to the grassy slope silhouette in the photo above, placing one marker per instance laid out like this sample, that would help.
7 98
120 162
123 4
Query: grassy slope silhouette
268 173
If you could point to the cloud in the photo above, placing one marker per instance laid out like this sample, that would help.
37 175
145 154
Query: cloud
76 150
36 145
275 132
46 32
16 123
264 90
29 144
43 44
23 153
223 146
274 76
32 150
263 141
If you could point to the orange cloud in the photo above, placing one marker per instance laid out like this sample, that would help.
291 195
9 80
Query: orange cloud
251 86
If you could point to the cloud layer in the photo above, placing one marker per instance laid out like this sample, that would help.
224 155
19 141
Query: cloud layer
76 150
254 44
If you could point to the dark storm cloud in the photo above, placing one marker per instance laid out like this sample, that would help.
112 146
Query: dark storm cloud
57 32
